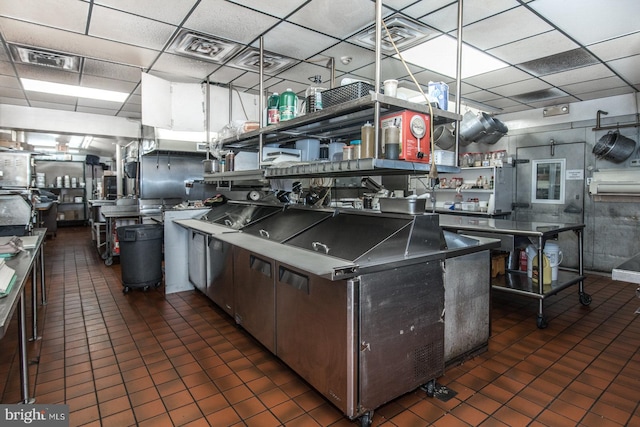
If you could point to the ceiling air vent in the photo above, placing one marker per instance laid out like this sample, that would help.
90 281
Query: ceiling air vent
203 47
272 62
405 33
539 95
559 62
44 58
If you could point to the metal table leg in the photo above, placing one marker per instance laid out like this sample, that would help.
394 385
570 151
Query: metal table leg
34 303
43 290
22 342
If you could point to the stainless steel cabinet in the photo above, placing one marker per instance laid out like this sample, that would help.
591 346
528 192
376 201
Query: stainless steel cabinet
255 308
197 261
220 274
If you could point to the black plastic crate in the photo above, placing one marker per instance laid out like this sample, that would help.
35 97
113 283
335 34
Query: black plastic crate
345 93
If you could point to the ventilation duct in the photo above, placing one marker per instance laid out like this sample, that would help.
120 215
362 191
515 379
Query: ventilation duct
44 58
203 46
405 33
250 60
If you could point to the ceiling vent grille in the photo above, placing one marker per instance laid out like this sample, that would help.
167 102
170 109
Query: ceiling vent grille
203 47
405 33
539 95
44 58
272 62
558 63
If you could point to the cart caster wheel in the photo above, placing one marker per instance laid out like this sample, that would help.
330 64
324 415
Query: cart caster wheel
146 288
585 299
157 285
108 262
126 290
366 419
541 322
104 255
430 388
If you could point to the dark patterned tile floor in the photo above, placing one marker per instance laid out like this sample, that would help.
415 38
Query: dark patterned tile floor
148 360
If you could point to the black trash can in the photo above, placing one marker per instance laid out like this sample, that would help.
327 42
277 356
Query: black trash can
140 255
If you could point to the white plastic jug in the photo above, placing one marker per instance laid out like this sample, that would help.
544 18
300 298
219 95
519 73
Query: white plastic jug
553 252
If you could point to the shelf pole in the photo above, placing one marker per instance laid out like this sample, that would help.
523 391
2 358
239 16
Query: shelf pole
376 108
458 81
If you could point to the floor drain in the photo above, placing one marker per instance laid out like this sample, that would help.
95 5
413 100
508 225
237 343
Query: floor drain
443 393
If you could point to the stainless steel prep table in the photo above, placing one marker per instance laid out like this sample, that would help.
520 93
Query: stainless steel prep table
517 282
25 263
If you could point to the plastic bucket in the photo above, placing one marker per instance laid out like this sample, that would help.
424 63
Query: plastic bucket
553 252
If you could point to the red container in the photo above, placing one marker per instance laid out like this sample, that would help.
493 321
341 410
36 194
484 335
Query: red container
415 137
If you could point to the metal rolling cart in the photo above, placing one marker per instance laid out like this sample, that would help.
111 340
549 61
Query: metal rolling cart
116 216
515 281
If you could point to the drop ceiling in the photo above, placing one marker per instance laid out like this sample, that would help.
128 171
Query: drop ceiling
556 52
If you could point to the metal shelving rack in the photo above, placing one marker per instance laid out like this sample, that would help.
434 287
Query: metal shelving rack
339 121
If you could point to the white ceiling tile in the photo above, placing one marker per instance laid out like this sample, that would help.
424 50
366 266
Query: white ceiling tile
13 101
96 103
446 19
617 48
481 96
499 77
359 56
535 47
107 84
10 82
304 44
6 69
130 115
593 85
231 21
503 103
628 68
518 88
170 11
4 56
591 21
225 75
53 106
302 72
111 70
606 93
129 106
514 24
391 68
70 15
78 44
591 72
181 66
131 29
279 9
95 110
11 92
338 18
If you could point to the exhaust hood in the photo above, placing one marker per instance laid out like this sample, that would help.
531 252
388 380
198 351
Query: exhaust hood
616 185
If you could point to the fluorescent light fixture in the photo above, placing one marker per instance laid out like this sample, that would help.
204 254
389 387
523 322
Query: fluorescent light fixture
75 141
440 55
71 90
86 142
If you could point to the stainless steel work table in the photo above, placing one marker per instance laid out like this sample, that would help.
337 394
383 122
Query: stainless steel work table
25 263
517 282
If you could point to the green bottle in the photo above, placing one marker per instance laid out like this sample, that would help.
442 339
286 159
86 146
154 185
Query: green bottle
288 105
273 109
